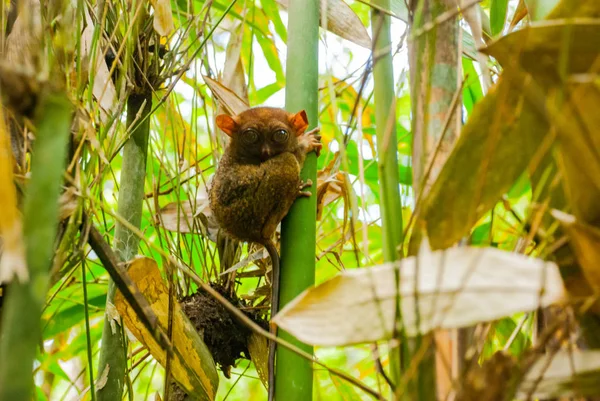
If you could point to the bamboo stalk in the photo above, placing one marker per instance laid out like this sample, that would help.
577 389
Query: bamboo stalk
385 119
435 79
25 300
131 196
298 230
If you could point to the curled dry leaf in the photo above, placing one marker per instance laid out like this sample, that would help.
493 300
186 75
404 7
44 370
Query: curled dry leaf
565 374
190 216
192 364
457 287
330 186
104 89
232 103
342 21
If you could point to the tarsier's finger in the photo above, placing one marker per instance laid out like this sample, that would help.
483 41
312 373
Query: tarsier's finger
313 131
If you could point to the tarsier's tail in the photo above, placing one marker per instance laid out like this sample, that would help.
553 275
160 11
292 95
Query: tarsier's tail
270 247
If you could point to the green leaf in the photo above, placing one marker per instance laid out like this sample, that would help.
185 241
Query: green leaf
272 12
270 52
498 10
69 317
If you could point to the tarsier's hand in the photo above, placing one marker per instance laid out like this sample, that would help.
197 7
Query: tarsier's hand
304 185
312 141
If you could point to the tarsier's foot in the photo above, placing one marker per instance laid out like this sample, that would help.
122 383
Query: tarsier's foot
313 141
303 185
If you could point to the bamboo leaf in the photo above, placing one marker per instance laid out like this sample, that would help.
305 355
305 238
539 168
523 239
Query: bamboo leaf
498 10
104 89
454 288
193 367
163 17
585 241
342 21
539 9
540 46
226 97
259 351
494 148
566 374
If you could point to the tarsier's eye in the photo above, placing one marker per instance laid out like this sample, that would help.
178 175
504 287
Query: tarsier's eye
280 136
250 136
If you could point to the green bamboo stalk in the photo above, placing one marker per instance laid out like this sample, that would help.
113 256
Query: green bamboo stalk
294 375
434 73
24 301
131 195
385 119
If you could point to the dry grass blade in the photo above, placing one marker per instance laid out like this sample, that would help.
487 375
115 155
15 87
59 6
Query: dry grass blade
454 288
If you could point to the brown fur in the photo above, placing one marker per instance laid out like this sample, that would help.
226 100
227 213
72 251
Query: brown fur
249 195
256 183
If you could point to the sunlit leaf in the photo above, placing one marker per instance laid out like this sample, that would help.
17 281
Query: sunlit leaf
259 351
104 89
163 18
232 102
540 47
498 10
494 148
192 364
455 288
342 21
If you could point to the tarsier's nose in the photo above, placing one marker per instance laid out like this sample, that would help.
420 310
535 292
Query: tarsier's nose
265 154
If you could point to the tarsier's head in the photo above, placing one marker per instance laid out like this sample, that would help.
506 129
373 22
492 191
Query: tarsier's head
261 133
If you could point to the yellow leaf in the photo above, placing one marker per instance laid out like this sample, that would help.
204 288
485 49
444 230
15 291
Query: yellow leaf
163 18
257 346
192 364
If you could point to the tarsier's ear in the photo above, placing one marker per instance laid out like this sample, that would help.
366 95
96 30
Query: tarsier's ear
227 124
300 122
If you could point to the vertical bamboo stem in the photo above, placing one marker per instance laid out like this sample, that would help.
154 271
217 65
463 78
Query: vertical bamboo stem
113 353
294 375
24 300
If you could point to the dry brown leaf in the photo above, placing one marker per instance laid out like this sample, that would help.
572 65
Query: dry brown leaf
520 13
12 254
539 47
232 103
233 71
342 21
330 186
457 287
565 374
190 216
259 351
163 17
104 89
192 364
585 241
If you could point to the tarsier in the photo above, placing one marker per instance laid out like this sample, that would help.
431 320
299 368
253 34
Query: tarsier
258 179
